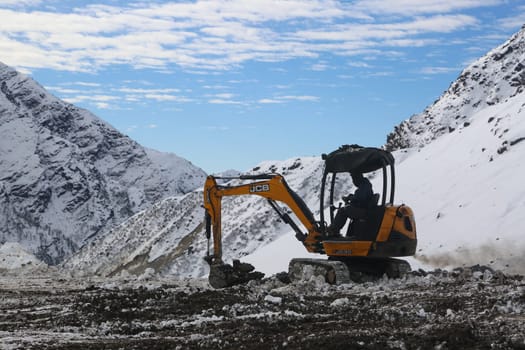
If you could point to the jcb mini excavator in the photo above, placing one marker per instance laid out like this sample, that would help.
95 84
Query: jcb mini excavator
385 231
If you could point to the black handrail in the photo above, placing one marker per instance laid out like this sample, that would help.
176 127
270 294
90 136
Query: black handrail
321 199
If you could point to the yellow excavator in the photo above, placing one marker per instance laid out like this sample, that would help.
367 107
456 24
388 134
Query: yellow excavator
382 232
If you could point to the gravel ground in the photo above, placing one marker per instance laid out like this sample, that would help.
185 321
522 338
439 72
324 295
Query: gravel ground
471 308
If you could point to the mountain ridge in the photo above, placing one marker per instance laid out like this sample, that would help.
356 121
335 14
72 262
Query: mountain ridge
67 176
493 78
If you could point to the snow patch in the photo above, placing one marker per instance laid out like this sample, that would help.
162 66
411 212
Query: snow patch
14 256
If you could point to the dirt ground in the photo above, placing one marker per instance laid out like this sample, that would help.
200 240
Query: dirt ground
472 308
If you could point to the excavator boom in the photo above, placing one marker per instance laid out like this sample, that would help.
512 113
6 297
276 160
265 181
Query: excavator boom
274 188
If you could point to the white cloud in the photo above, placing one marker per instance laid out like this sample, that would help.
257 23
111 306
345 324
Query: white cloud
132 128
135 127
366 35
155 94
82 83
379 74
165 97
359 64
282 86
284 99
218 128
98 100
415 7
61 90
20 3
269 101
300 98
215 87
515 21
225 96
220 101
102 105
438 70
319 67
147 91
214 35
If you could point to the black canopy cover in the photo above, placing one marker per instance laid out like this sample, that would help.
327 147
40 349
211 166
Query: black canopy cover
355 158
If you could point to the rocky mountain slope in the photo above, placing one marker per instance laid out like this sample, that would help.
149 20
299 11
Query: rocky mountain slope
66 176
464 186
492 79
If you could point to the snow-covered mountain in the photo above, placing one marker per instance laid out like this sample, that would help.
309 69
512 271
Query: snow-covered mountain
460 168
66 176
492 79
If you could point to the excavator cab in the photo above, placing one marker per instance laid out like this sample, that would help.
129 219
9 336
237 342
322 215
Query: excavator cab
344 162
384 229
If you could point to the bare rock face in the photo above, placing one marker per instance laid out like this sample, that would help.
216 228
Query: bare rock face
66 176
492 79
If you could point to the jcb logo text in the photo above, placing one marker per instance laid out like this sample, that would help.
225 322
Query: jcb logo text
260 188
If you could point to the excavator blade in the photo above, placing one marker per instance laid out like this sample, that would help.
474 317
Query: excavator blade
226 275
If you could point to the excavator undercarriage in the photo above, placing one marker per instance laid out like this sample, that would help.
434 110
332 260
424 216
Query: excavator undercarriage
333 271
347 270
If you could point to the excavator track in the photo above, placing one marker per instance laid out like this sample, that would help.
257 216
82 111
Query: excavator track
346 270
334 272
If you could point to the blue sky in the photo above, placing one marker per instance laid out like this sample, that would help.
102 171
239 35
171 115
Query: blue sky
227 84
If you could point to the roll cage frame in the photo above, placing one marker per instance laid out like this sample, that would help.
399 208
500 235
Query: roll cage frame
273 187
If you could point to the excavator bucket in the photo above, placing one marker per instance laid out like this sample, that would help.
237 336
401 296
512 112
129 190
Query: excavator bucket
226 275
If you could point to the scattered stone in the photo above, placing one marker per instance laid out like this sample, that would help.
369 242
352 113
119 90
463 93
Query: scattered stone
457 309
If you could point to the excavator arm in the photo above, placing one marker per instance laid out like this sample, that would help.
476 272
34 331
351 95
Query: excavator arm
274 188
